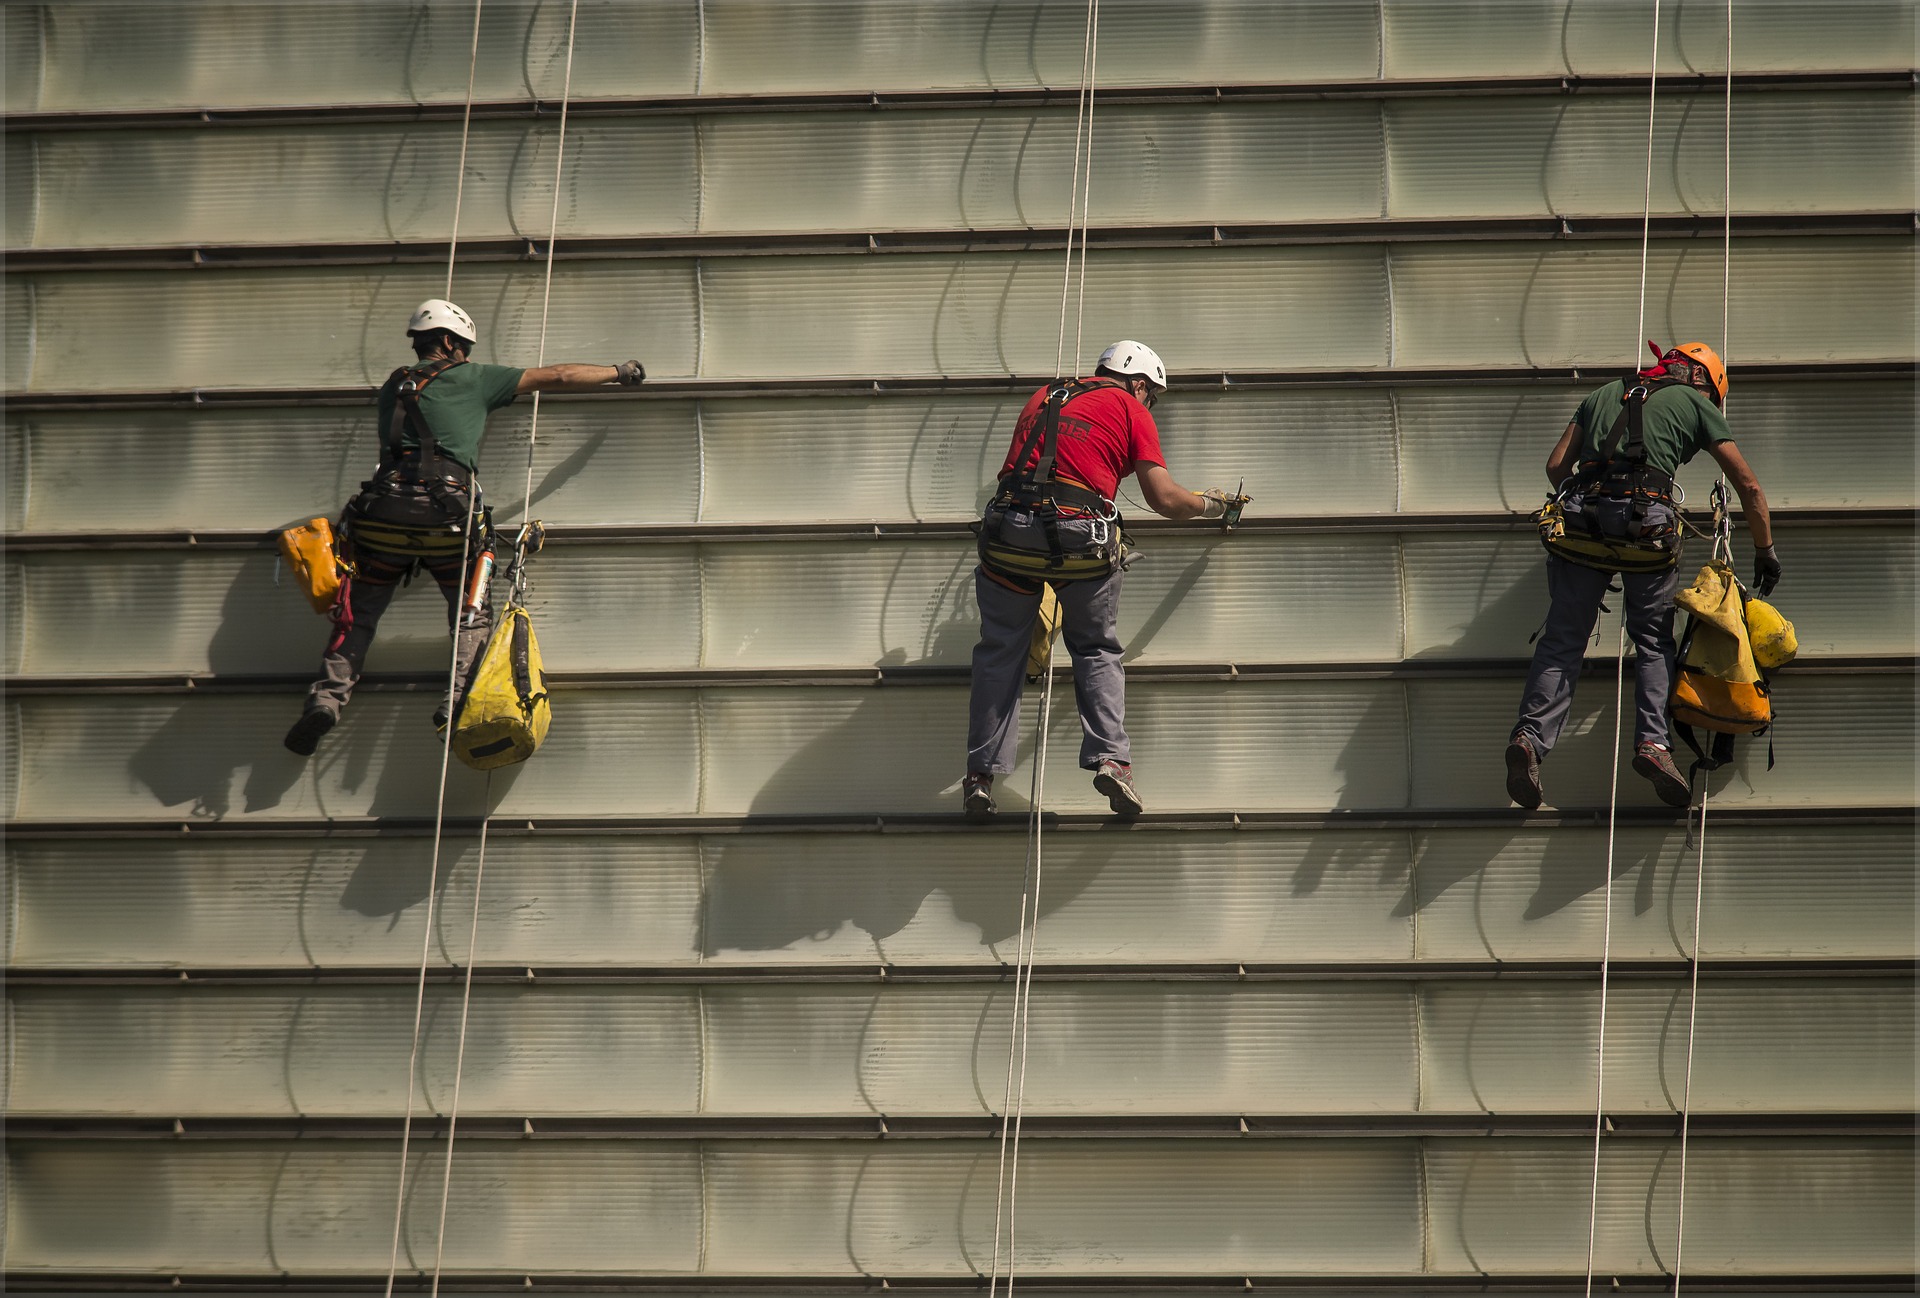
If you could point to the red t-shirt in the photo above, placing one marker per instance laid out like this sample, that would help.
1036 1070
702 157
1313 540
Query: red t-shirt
1104 435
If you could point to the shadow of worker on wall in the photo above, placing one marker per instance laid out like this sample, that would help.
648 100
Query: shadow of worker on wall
1505 611
759 900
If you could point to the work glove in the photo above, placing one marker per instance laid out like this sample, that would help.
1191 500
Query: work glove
1766 570
630 374
1223 505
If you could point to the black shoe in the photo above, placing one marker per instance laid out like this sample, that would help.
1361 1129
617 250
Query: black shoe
1523 773
976 793
309 730
1669 785
1115 780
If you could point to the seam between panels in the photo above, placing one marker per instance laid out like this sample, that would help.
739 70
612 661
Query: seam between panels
699 318
1393 325
699 175
1380 65
1413 891
1406 719
700 49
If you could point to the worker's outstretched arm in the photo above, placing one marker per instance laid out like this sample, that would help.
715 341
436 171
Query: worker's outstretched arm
567 377
1169 499
1566 455
1753 501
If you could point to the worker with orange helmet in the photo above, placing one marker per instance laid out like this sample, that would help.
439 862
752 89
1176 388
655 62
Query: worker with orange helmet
1612 475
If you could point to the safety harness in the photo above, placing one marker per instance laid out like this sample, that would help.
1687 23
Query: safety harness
1039 491
415 502
1619 472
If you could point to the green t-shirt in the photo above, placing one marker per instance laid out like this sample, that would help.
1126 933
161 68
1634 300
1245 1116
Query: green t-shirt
455 406
1678 424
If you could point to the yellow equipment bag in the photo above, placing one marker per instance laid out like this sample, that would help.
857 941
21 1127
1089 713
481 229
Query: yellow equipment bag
309 553
505 713
1608 554
1718 639
1046 625
1772 637
1725 707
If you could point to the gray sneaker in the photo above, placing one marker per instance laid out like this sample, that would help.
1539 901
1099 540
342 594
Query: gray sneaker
1115 780
1669 785
1523 773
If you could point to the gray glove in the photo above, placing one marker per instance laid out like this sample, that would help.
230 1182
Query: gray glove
1766 570
630 374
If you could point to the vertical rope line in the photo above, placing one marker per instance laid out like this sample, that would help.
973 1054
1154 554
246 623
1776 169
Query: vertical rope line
433 893
1073 192
446 748
553 237
460 1053
1606 949
1619 706
1706 790
466 122
1086 190
1646 206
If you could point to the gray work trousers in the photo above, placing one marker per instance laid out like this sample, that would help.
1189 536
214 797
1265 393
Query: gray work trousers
1089 614
1575 593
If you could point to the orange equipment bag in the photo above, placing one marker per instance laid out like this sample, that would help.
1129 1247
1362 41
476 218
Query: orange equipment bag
1725 707
309 553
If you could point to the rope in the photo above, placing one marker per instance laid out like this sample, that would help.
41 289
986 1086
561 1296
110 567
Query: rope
480 865
1619 706
1722 538
466 122
440 804
1013 1106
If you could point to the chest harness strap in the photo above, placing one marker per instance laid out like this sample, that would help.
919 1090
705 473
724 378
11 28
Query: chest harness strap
1038 490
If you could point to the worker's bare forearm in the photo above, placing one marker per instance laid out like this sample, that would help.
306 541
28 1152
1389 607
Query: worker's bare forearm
1753 502
568 377
1565 457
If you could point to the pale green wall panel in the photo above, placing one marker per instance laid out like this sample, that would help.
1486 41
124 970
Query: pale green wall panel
1270 897
864 750
772 46
1792 152
808 459
1793 299
1321 1207
186 54
1224 1048
1487 447
1550 37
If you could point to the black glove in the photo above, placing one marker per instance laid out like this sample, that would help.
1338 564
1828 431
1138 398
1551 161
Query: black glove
630 374
1766 570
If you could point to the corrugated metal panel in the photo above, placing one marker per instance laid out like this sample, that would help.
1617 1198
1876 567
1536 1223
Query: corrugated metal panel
1266 745
1486 448
1832 1046
1549 37
186 54
1795 153
363 183
809 459
1237 163
1493 304
1321 1207
833 899
1248 599
135 55
1484 304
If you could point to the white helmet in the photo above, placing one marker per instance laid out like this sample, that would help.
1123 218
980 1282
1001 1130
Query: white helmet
1131 358
438 313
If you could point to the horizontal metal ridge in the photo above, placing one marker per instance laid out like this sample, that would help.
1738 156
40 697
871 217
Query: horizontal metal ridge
855 242
1628 1126
1394 818
423 682
1580 969
147 541
1030 97
1093 1285
933 385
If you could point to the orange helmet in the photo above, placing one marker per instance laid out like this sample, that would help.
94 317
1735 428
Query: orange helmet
1710 359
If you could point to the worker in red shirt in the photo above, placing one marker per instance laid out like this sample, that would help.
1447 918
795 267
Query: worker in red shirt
1053 522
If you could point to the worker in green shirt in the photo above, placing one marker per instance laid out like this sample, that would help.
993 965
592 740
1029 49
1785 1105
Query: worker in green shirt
1615 481
423 507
